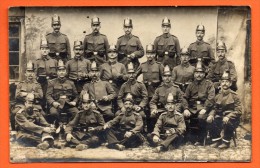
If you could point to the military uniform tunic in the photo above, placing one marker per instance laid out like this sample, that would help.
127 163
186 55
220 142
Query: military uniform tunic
167 43
126 45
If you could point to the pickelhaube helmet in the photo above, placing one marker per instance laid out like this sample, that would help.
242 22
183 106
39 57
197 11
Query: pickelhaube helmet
29 97
129 97
221 46
43 43
94 66
128 22
185 51
200 67
86 98
150 48
130 67
95 21
200 28
166 70
30 66
78 43
56 19
112 48
166 22
225 75
170 98
61 65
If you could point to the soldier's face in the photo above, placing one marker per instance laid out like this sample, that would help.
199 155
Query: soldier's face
185 59
78 51
150 56
200 35
131 76
128 30
128 105
28 104
166 29
170 107
61 73
221 54
225 84
45 51
167 78
95 28
29 75
94 75
199 75
86 105
112 56
56 27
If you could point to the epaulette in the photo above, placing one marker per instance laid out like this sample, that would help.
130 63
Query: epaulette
48 34
135 36
206 43
63 34
102 34
173 35
230 62
120 37
193 43
178 113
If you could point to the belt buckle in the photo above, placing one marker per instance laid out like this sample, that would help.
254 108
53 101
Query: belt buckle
166 53
63 97
198 102
110 81
84 130
149 83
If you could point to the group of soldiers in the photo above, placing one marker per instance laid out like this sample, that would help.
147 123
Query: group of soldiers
95 98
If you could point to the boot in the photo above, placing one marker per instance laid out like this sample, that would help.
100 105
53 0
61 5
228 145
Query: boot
158 149
43 146
215 144
224 145
119 147
81 147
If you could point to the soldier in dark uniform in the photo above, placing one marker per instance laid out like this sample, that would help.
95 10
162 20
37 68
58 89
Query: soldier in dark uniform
201 49
158 102
96 44
58 42
32 128
129 47
30 85
101 92
183 74
169 128
78 68
167 46
200 96
85 130
124 130
225 114
62 96
216 70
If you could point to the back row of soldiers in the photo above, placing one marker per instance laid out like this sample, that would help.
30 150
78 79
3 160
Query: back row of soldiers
96 96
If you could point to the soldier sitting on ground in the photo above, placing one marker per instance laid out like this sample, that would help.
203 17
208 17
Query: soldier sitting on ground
32 128
124 130
85 130
169 128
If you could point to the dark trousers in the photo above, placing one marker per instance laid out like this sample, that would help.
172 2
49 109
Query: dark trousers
166 141
56 115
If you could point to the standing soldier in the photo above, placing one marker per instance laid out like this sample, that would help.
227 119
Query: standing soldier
30 85
101 92
129 46
183 74
216 70
169 128
58 42
78 68
201 49
200 96
32 128
225 114
61 96
158 102
96 44
167 46
85 130
124 130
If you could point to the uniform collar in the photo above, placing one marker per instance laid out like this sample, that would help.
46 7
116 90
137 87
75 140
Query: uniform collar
129 113
199 42
56 34
166 35
128 36
112 63
47 57
78 58
62 80
185 65
199 82
132 82
223 61
152 62
95 81
95 34
170 114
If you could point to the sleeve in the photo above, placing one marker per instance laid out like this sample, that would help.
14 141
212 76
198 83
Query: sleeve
75 92
38 91
210 75
110 91
49 93
68 48
18 92
211 54
25 124
85 47
209 103
72 124
43 121
138 71
115 120
238 108
178 49
161 71
174 74
186 97
144 92
158 126
154 100
140 50
67 65
180 100
233 72
106 44
120 96
138 124
123 72
213 110
181 128
101 122
155 43
118 44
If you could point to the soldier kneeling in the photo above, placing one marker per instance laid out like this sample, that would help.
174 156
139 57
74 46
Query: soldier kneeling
169 128
127 127
85 130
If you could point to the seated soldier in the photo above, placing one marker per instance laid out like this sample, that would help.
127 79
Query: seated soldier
169 128
32 128
225 114
85 130
124 130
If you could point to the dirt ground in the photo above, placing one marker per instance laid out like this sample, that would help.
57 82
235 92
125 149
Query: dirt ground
186 153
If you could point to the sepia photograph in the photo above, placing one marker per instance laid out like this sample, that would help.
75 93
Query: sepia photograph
130 84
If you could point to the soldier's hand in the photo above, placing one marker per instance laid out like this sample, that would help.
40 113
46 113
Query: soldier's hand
47 129
107 125
186 113
202 111
132 56
56 104
137 108
105 98
170 132
210 119
154 112
123 109
23 94
91 129
72 103
156 139
128 134
225 120
69 137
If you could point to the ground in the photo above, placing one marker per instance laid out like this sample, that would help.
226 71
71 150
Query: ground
186 153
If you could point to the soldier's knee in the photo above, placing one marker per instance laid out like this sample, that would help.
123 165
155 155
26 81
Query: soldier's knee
53 111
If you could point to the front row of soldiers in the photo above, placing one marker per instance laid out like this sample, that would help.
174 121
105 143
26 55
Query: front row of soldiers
85 114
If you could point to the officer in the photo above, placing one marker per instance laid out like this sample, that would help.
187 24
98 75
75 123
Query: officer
58 42
200 96
85 130
32 128
101 92
78 68
127 127
183 74
158 102
129 46
167 46
216 70
96 44
201 49
152 71
62 96
136 89
169 128
30 85
225 115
